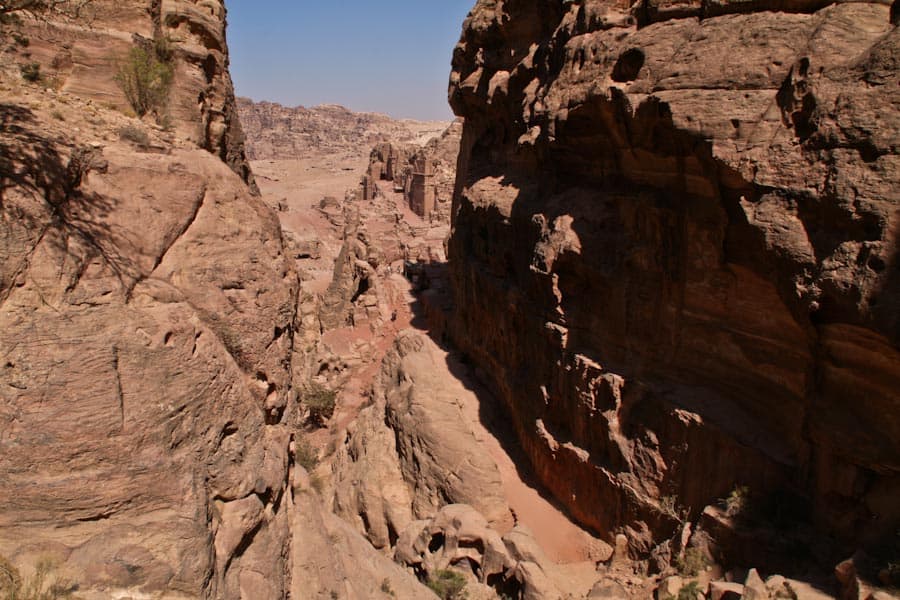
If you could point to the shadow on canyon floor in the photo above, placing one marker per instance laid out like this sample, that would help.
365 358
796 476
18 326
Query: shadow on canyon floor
431 310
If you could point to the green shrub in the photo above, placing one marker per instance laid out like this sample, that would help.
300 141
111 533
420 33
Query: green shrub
448 585
691 591
9 18
320 401
305 455
669 505
737 501
132 133
691 563
386 587
146 80
31 71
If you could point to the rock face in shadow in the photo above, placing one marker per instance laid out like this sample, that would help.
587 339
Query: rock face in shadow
674 256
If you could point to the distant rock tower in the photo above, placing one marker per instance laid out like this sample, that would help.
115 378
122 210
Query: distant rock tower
421 192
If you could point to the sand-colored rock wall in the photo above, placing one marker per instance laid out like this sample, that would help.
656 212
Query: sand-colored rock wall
146 311
83 57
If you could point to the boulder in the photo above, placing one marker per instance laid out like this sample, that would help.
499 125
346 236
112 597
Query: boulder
754 587
608 589
669 587
459 536
723 590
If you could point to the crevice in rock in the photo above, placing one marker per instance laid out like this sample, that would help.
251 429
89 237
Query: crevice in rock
120 396
178 234
104 516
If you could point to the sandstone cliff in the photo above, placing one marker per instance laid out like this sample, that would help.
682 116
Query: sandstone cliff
674 254
281 132
83 57
145 329
149 371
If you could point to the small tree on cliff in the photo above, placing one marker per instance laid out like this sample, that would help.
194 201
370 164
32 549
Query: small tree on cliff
146 77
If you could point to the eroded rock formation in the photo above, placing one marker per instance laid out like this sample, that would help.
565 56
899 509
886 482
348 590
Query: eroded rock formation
412 452
83 58
425 175
146 322
281 132
674 253
457 535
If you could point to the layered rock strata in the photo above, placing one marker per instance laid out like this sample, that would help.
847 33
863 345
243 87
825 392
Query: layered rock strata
83 58
148 313
146 310
674 254
145 376
282 132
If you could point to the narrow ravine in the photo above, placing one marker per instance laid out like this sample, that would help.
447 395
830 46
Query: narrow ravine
350 356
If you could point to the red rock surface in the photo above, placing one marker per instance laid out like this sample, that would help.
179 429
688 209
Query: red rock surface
146 306
674 252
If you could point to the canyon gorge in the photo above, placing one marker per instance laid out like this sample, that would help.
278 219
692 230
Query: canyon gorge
627 327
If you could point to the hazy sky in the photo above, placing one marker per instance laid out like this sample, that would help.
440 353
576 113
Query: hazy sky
388 56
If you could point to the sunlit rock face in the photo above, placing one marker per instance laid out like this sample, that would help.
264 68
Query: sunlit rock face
83 56
146 308
674 252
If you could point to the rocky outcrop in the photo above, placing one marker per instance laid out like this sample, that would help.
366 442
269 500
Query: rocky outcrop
674 254
281 132
388 161
354 273
196 29
336 560
83 58
146 311
411 452
460 537
144 369
424 174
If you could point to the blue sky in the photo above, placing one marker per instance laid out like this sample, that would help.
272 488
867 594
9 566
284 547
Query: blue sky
388 56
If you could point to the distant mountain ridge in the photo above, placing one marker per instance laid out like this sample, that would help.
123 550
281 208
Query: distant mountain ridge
275 131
